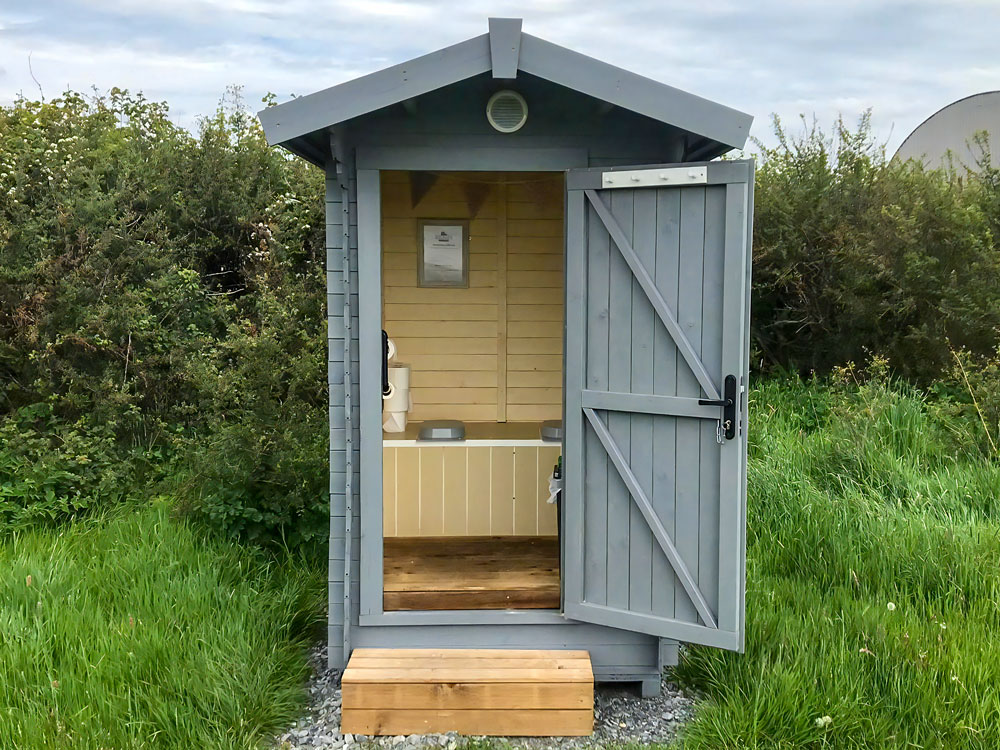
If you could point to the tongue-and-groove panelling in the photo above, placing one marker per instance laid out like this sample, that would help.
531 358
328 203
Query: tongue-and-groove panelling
493 351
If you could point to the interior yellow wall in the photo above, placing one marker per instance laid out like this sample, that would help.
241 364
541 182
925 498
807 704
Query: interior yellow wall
492 352
430 490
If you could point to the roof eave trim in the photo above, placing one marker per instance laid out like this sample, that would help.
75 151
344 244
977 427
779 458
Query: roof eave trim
634 92
535 56
374 91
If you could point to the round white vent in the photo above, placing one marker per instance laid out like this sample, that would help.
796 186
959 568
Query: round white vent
507 111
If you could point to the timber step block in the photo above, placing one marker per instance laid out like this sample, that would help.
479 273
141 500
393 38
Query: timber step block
500 692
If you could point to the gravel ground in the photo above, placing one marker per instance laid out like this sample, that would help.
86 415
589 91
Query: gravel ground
620 716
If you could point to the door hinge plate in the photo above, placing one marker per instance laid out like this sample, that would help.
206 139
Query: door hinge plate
674 176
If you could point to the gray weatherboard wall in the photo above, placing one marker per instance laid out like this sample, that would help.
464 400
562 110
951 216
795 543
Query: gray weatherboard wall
433 119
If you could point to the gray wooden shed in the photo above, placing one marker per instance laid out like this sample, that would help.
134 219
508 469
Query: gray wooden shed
597 273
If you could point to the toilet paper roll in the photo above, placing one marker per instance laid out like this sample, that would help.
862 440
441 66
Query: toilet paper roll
398 401
394 421
399 376
392 350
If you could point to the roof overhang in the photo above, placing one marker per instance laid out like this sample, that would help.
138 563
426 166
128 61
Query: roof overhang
504 51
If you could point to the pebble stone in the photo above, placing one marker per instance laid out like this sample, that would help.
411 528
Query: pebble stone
620 716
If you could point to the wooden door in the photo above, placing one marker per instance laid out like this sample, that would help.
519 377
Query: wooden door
656 368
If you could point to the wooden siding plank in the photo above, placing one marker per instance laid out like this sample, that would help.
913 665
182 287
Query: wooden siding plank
502 489
389 491
533 412
444 329
502 281
479 490
535 379
431 484
456 497
453 379
408 492
535 313
526 471
408 312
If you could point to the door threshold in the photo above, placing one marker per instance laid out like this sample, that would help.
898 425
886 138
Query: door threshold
465 617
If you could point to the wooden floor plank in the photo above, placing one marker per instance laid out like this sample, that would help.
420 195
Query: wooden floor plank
514 723
447 674
506 695
435 573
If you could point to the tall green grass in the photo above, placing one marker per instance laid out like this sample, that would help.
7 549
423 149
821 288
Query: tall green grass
873 592
136 630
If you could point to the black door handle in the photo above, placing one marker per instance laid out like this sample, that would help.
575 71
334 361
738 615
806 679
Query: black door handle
385 363
728 405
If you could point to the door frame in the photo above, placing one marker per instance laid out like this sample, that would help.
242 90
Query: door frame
370 161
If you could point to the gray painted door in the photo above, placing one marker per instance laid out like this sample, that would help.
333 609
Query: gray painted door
657 265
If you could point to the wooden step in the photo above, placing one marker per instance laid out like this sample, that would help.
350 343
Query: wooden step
501 692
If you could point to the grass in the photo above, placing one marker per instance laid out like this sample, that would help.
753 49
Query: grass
136 630
873 598
873 592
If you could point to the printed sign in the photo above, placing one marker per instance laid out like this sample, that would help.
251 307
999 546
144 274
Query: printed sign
443 260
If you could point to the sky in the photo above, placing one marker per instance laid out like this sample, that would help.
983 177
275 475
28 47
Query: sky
903 59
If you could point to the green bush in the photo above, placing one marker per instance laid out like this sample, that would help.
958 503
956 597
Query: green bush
854 253
161 294
52 470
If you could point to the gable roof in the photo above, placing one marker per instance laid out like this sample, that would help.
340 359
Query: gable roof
504 51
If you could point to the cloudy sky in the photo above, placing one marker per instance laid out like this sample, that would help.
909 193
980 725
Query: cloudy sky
902 58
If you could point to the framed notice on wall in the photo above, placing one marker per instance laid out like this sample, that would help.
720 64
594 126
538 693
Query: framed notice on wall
443 257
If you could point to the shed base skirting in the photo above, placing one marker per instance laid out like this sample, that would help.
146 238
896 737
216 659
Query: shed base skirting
615 655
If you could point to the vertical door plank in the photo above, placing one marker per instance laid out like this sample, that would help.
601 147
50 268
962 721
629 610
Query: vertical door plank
711 354
596 462
641 428
665 275
619 423
732 542
689 310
